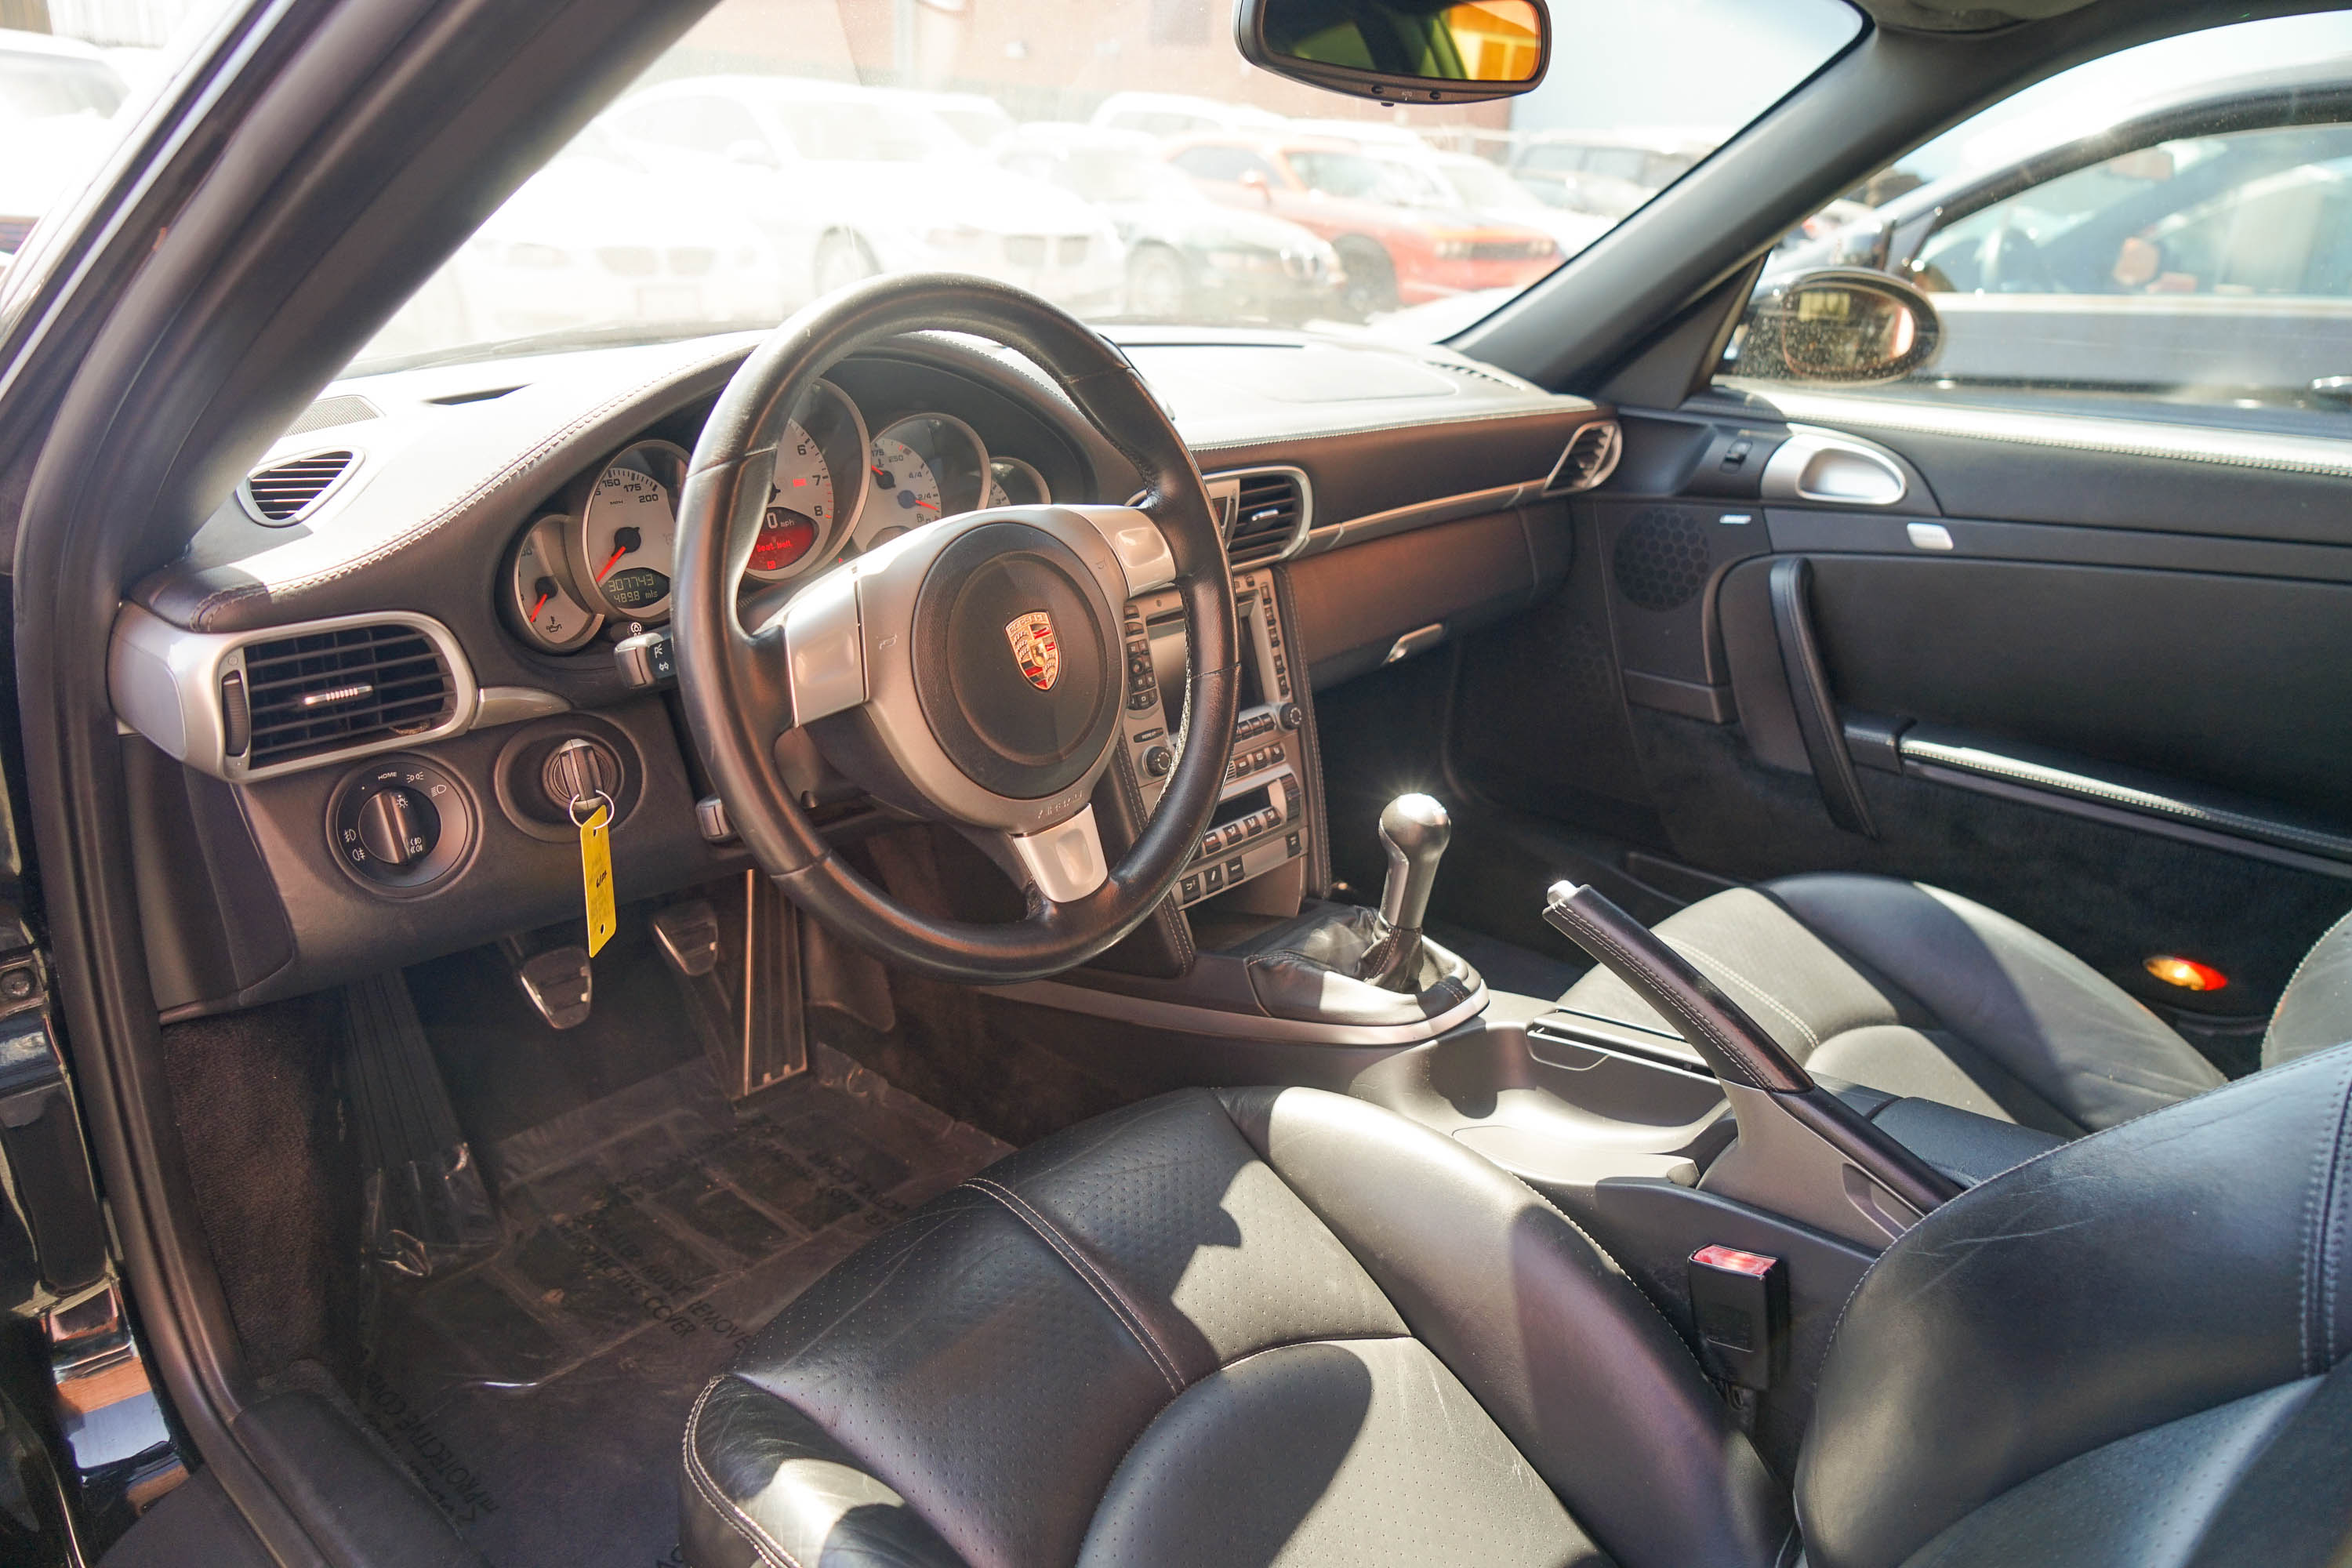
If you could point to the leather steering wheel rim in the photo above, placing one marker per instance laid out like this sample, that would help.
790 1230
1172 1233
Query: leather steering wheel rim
739 686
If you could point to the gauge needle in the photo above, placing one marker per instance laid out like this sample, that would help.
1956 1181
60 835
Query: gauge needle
538 607
605 570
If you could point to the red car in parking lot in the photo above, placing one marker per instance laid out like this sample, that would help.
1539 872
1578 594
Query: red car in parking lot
1396 250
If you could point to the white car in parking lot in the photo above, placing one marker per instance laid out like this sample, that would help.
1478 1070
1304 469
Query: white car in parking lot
850 183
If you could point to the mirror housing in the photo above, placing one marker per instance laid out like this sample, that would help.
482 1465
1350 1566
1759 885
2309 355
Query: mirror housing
1841 326
1401 51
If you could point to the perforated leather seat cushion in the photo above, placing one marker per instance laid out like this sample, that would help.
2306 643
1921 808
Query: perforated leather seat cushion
1245 1327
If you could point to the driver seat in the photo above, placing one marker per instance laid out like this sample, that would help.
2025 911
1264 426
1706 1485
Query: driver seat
1261 1326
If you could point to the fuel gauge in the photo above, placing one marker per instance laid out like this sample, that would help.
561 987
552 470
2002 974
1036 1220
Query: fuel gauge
541 600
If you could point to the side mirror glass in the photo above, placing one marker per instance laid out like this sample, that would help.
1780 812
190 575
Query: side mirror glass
1840 326
1401 51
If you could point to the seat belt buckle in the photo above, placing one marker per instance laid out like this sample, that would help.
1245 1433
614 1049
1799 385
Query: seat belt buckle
1741 1303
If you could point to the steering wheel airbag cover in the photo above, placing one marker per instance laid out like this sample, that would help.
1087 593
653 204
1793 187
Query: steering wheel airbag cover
1014 660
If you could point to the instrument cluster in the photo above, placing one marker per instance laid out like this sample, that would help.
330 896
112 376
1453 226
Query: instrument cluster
599 559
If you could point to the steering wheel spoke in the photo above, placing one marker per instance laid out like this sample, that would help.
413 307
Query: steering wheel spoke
1064 862
1145 561
820 641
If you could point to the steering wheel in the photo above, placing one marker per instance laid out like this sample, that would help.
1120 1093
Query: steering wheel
971 671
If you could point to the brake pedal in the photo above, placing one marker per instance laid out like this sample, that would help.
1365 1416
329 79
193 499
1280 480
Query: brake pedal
558 983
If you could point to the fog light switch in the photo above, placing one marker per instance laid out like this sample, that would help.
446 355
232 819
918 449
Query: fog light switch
1740 1300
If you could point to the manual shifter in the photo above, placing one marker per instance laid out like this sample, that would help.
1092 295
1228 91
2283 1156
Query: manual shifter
1414 830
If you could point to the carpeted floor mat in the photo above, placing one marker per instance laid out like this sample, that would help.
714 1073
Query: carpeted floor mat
540 1391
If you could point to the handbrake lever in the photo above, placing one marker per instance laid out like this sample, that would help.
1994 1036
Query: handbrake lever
1801 1150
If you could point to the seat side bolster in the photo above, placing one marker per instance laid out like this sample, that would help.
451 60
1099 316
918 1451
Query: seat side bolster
765 1487
1572 1361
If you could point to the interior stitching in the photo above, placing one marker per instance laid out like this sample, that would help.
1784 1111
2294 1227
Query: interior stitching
1080 1265
767 1547
1749 986
1731 1051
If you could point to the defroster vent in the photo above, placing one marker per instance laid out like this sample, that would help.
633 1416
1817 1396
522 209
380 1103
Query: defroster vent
289 492
1591 457
329 690
1270 513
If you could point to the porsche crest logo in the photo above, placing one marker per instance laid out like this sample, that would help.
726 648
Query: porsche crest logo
1036 648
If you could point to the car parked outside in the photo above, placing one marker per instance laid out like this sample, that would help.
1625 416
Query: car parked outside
1397 249
974 116
1188 257
849 184
594 233
56 99
1608 172
1179 114
2195 246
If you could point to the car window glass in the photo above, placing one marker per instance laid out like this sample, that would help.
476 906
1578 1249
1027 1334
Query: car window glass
1348 174
2164 234
1221 162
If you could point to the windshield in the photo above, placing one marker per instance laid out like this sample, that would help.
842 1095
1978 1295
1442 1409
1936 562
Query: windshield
1116 157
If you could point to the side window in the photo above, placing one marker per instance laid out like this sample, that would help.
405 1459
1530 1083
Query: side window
719 124
2207 274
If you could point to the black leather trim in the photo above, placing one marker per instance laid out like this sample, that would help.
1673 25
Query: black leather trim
2177 1262
1814 704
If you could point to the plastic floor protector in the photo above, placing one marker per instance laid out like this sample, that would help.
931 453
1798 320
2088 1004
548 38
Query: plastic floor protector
539 1388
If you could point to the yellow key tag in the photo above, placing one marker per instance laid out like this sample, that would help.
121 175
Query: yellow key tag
596 875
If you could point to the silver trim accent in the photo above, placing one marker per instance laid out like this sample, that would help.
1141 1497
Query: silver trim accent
1927 535
1418 640
498 705
1065 861
1421 515
1970 759
1229 481
1825 466
1613 434
2075 432
1183 1019
311 507
165 680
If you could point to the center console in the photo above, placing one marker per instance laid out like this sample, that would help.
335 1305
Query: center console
1262 821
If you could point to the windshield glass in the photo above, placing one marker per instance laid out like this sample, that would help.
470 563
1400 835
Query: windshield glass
1116 157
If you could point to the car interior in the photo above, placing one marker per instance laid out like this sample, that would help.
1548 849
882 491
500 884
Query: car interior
947 934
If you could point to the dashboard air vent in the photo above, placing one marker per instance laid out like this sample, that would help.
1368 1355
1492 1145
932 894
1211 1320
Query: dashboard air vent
325 691
1590 457
1270 512
289 492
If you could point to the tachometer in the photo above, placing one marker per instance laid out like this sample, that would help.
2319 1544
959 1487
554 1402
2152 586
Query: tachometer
539 598
627 532
816 488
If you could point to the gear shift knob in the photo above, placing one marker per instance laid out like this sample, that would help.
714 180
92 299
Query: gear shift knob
1414 830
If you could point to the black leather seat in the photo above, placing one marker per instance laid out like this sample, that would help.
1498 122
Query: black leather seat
1255 1327
1922 993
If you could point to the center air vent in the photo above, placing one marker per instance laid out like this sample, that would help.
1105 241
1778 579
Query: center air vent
1590 457
1269 515
289 491
331 690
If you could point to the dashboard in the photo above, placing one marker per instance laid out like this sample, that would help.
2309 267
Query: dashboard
350 709
843 483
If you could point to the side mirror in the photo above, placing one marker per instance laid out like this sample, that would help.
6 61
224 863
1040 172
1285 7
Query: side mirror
753 154
1841 325
1255 183
1401 51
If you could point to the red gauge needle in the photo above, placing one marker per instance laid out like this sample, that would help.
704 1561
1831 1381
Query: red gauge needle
927 506
540 606
606 569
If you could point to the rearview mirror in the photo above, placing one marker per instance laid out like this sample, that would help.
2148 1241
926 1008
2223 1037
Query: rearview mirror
1840 325
1401 51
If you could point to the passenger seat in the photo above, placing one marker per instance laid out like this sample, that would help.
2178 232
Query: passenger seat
1921 992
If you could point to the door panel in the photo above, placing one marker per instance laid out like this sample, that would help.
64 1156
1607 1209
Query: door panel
2131 738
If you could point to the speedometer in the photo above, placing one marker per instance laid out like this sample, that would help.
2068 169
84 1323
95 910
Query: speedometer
628 533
